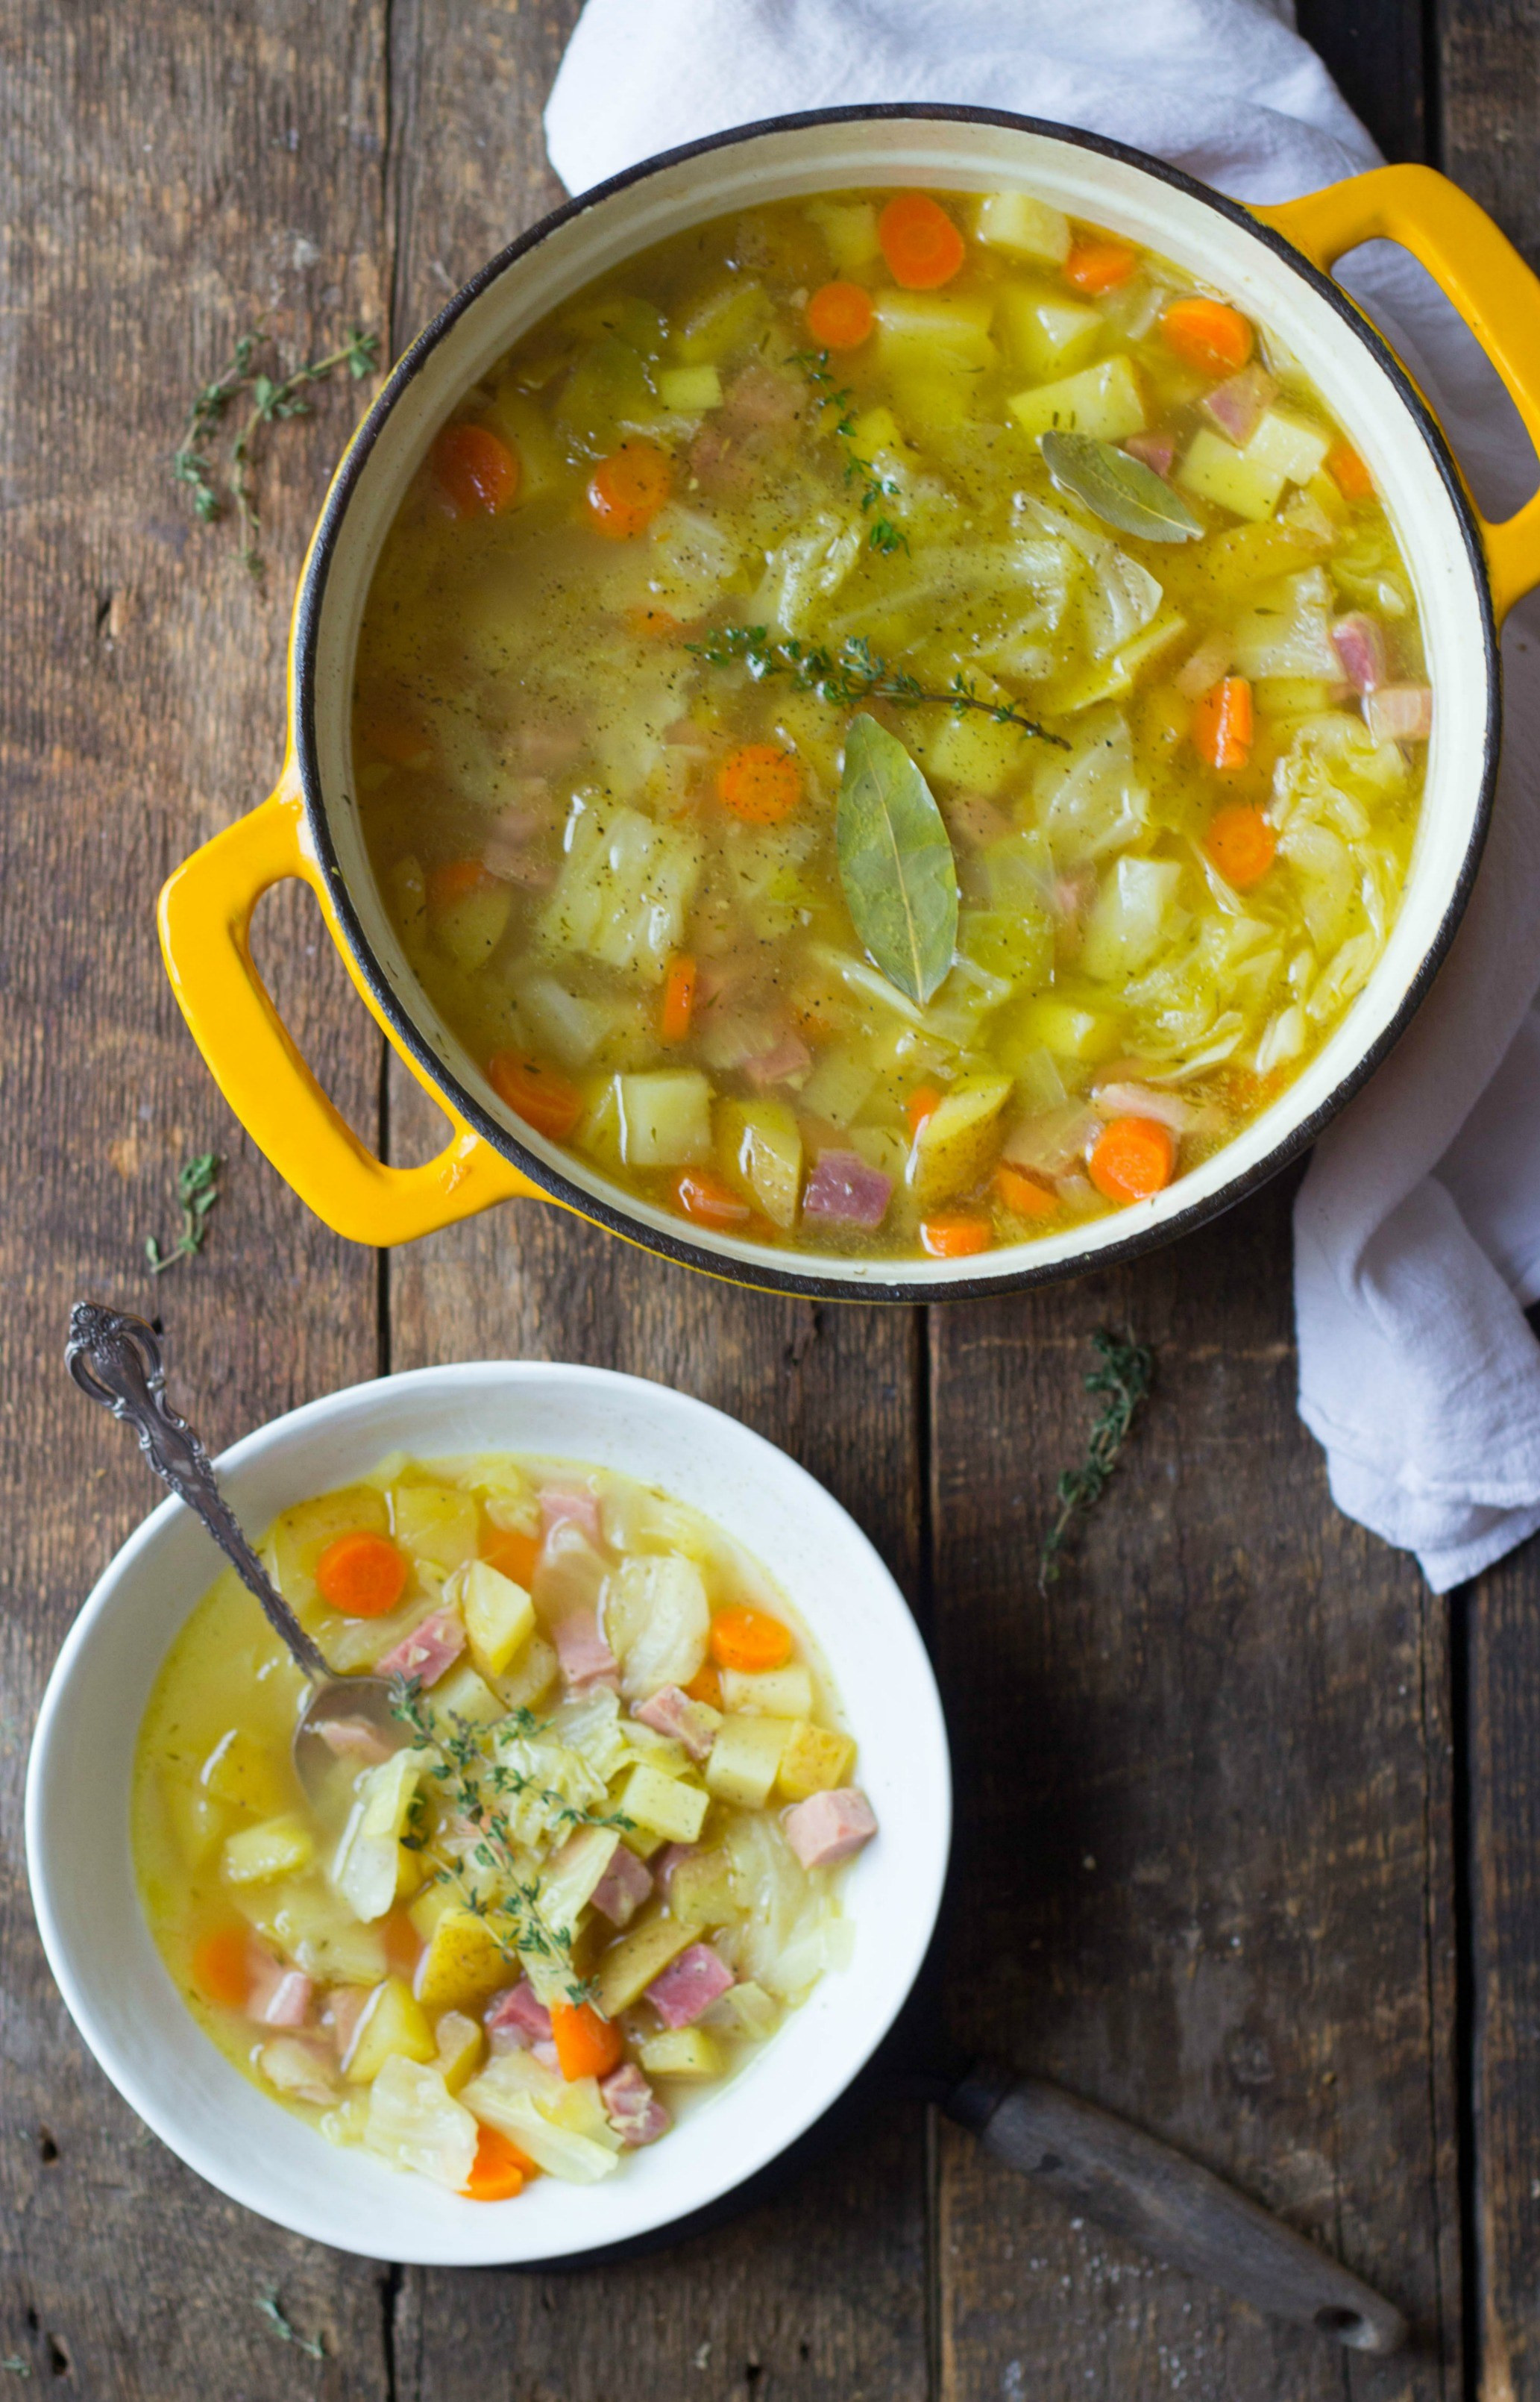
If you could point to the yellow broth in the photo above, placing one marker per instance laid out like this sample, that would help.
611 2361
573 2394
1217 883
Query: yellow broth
600 778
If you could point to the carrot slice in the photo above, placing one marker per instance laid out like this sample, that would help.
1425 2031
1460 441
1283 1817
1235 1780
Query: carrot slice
749 1640
1024 1194
626 491
403 1945
920 243
679 1000
587 2044
499 2169
956 1236
655 624
513 1555
1223 725
480 474
1242 844
705 1197
1132 1158
759 782
706 1686
221 1966
456 879
1095 265
1207 334
1349 473
840 316
362 1574
923 1103
398 738
542 1096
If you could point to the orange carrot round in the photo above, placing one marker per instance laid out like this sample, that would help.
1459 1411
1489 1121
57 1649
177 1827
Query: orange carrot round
1223 725
398 737
587 2044
1099 266
456 879
1349 473
679 1000
655 624
956 1236
221 1966
759 782
1025 1195
705 1197
404 1945
626 491
922 1104
840 316
1132 1158
1242 844
542 1096
362 1574
704 1686
513 1555
499 2169
920 243
1207 334
480 474
749 1640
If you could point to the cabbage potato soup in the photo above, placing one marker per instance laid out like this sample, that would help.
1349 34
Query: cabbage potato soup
893 724
594 1863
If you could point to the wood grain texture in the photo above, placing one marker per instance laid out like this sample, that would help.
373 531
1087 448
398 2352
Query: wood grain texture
169 176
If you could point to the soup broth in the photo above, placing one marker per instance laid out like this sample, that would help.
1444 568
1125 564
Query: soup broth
894 723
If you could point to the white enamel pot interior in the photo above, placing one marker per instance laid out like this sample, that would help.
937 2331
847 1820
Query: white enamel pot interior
959 150
120 1996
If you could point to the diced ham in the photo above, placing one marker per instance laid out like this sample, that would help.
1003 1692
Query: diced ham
632 2108
1071 894
687 735
672 1713
1237 406
354 1739
668 1861
544 747
1204 670
1360 645
587 1660
846 1191
789 1057
517 2017
1130 1101
976 819
280 1996
1399 713
718 463
1156 450
761 400
623 1888
571 1505
689 1986
343 2007
427 1651
829 1826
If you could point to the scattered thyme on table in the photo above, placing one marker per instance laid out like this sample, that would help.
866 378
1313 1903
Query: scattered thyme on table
1121 1383
271 399
197 1190
272 2310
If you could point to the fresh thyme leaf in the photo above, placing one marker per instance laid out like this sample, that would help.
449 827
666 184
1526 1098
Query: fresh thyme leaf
1120 489
853 673
896 862
197 1190
272 2310
273 400
1122 1382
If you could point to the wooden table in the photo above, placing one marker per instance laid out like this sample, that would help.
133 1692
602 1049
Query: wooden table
1248 1823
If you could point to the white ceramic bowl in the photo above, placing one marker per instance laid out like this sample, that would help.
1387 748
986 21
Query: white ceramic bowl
111 1977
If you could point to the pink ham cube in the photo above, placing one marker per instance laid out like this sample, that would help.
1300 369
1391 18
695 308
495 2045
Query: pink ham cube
672 1713
623 1888
1153 451
427 1651
345 2006
689 1986
844 1191
1399 713
587 1660
280 1996
1237 406
632 2108
518 2019
830 1826
571 1505
668 1861
1360 645
789 1057
354 1739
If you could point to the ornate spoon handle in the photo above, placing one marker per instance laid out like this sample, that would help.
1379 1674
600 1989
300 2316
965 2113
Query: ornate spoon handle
116 1360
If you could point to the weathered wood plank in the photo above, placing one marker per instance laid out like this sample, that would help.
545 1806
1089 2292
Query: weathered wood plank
1375 50
168 176
1203 1843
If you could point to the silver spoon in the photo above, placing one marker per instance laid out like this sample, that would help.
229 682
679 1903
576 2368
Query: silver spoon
116 1359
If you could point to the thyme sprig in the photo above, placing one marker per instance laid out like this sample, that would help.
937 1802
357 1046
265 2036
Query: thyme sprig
882 535
272 2310
197 1190
852 674
273 398
1121 1383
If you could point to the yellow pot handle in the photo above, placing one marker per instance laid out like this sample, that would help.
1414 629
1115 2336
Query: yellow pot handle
1479 269
205 936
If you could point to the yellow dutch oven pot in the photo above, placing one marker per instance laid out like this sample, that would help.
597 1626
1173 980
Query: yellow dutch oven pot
1275 262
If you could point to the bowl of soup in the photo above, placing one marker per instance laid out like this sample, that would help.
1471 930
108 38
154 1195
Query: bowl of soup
893 704
615 1912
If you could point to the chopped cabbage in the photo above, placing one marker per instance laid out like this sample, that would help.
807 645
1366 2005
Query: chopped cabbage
804 570
415 2122
623 889
363 1871
562 2127
657 1619
1129 916
1289 633
1093 802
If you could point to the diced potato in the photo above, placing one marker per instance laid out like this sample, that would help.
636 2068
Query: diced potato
1293 446
720 323
761 1145
256 1855
628 1968
665 1118
672 1809
435 1902
533 1674
461 1966
471 927
304 1920
240 1772
1064 1028
941 329
745 1759
689 390
1216 471
1045 334
521 420
877 430
392 2021
746 2009
956 1142
464 1694
197 1820
296 1540
775 1694
691 2054
700 1890
1027 228
1105 401
850 231
499 1614
461 2044
977 752
435 1522
816 1760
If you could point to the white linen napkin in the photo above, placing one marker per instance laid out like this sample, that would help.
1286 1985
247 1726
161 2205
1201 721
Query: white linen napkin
1416 1229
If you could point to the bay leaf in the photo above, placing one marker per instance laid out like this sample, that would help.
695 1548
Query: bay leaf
896 862
1120 489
